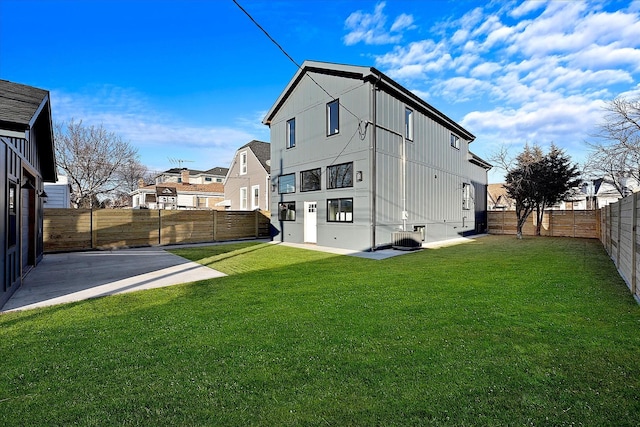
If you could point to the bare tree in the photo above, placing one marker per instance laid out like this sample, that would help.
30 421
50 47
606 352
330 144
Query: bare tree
130 177
616 155
93 159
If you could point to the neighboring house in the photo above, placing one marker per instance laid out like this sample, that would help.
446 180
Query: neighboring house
58 193
211 176
246 186
606 192
174 195
356 158
498 199
27 160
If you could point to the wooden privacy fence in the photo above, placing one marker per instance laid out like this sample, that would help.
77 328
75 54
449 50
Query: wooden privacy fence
555 223
82 229
619 236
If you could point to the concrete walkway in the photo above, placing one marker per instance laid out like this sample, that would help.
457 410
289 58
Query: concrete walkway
75 276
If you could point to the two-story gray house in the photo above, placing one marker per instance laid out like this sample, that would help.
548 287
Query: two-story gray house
356 158
246 186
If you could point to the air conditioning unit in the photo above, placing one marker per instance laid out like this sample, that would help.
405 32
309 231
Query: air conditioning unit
406 240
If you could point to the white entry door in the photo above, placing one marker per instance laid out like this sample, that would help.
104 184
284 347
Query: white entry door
310 222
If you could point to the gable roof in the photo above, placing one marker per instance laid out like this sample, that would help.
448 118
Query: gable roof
262 151
19 104
367 74
498 195
25 108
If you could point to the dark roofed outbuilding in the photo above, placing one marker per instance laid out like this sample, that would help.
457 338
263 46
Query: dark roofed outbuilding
27 159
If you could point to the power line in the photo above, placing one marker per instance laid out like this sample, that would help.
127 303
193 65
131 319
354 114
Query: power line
290 58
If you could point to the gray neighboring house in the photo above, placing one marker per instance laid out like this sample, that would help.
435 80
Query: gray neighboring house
358 158
246 186
27 160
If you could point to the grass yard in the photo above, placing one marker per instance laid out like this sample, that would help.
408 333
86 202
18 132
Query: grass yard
495 332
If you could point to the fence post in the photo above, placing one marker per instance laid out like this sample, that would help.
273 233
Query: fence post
634 217
257 223
159 226
94 231
215 225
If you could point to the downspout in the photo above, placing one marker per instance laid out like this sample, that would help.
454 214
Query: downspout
404 182
374 176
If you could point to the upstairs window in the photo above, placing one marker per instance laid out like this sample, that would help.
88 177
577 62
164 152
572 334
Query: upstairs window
287 184
408 124
243 163
340 176
291 133
310 180
333 117
455 141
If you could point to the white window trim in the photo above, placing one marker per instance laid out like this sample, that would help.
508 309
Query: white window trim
289 133
253 197
408 123
244 159
243 198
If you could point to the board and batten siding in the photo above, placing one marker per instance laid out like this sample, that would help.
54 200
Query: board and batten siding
435 174
434 171
314 149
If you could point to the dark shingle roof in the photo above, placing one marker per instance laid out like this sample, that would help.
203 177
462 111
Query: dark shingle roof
262 150
24 108
18 104
218 171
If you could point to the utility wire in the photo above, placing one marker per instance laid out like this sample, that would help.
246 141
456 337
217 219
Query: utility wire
290 58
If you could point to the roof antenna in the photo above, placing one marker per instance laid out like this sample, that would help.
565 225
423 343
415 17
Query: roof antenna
179 162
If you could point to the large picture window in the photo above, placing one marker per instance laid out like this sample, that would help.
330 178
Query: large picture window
287 184
310 180
287 211
340 176
291 133
340 210
333 117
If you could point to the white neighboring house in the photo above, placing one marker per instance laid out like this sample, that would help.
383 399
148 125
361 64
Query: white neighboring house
211 176
174 195
606 193
58 193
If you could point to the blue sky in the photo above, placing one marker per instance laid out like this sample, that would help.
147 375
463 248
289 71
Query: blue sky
192 79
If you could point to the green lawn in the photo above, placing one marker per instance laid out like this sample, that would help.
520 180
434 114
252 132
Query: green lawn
495 332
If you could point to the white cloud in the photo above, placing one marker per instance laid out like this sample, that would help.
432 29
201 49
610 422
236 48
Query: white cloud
370 28
526 7
402 22
534 71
